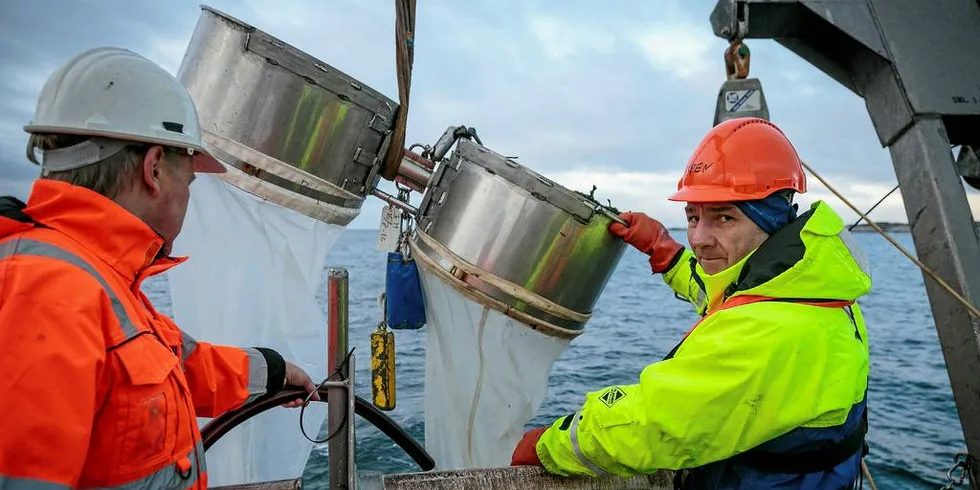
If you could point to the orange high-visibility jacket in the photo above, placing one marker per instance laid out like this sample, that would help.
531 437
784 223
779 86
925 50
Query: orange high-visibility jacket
98 389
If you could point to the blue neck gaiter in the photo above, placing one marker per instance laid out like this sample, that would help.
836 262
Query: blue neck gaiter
770 213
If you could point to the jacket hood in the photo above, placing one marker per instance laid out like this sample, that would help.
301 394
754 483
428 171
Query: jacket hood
814 257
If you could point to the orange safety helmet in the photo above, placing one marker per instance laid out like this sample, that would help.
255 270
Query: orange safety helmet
741 159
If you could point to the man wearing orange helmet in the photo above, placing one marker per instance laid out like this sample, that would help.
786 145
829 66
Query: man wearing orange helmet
768 390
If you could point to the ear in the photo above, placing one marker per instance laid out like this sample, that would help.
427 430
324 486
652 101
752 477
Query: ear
152 168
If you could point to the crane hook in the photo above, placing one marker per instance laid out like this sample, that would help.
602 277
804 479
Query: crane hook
737 58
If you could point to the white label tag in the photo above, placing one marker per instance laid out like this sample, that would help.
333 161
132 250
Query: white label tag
391 219
742 100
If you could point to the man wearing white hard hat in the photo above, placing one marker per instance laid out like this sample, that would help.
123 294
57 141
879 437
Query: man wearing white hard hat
98 388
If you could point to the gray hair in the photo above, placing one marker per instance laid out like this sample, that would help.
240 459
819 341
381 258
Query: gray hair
108 177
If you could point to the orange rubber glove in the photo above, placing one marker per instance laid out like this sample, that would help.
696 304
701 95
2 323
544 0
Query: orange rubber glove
526 454
650 237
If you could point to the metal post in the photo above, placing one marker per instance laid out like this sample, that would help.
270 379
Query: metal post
337 400
337 298
349 439
942 228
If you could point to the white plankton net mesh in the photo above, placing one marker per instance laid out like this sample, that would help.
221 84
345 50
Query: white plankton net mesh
485 376
254 271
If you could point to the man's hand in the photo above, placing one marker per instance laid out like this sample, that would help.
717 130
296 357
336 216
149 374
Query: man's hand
295 376
650 237
526 453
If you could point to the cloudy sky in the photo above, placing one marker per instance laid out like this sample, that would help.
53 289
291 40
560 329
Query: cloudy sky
591 93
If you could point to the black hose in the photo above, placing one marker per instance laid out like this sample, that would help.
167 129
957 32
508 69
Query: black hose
220 426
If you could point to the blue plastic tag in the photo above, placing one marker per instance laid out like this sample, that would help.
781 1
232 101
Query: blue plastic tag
404 303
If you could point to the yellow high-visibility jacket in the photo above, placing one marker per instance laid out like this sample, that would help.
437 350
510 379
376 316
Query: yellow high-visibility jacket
779 375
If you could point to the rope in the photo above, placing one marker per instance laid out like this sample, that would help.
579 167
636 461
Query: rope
966 303
517 291
404 57
873 207
867 474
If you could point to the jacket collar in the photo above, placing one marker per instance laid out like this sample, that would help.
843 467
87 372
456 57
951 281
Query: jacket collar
101 226
774 256
717 287
813 258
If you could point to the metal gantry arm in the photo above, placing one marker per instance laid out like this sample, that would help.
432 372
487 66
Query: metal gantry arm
915 65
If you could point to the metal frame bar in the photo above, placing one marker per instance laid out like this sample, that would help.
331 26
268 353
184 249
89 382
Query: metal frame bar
945 240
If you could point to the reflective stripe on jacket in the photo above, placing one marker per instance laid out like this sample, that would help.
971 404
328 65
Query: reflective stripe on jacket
100 389
779 376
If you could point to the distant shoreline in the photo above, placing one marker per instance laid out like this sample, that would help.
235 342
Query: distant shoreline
888 227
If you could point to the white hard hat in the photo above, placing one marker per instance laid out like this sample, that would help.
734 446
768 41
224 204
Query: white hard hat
116 94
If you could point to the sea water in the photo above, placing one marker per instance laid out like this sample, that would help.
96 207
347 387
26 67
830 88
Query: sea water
914 430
